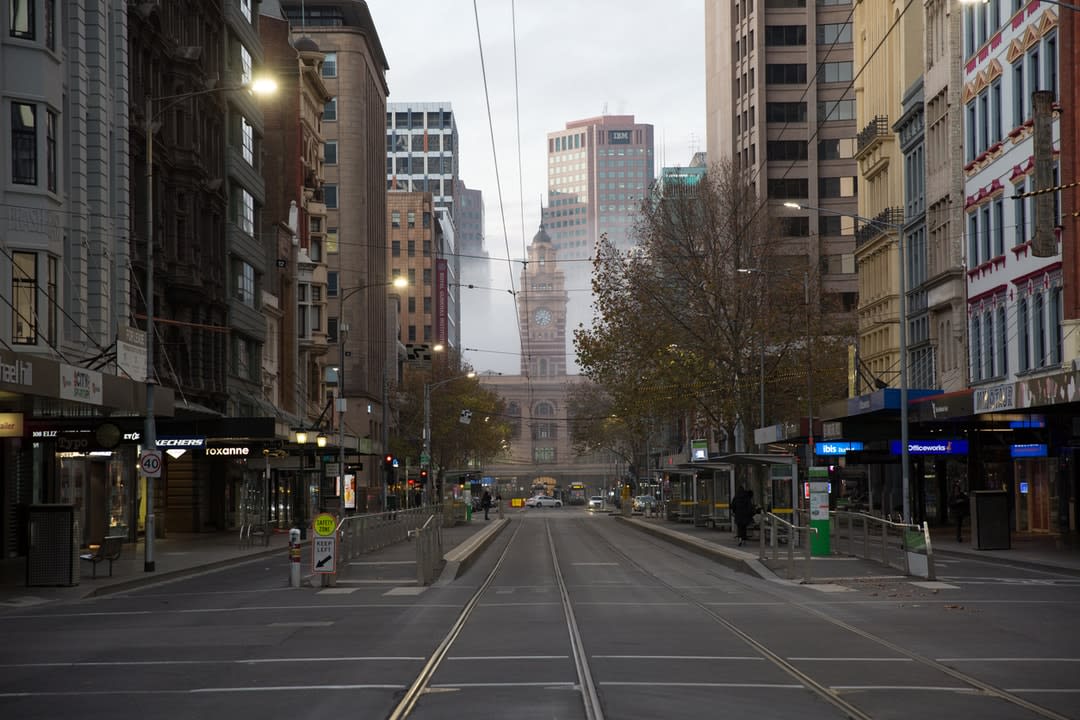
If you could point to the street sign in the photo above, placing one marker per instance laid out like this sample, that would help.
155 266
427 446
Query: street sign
150 463
425 459
323 552
332 469
325 524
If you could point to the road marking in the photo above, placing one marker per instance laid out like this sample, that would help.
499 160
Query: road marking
829 588
852 659
248 661
508 657
515 604
203 691
934 585
337 591
414 591
453 686
375 582
769 686
24 601
594 564
382 562
678 657
1044 690
1009 659
208 611
303 623
915 688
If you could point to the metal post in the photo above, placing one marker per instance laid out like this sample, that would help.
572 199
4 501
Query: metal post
809 382
386 433
150 427
761 382
904 469
427 427
343 328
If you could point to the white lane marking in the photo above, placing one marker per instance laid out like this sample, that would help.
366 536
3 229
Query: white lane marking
382 562
595 564
508 657
416 590
303 623
678 657
769 686
197 691
852 659
375 582
208 611
915 688
829 588
933 585
745 603
554 684
1009 659
1043 690
635 604
505 591
24 601
337 591
515 604
249 661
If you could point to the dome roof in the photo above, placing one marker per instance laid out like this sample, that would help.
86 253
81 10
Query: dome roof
306 44
541 236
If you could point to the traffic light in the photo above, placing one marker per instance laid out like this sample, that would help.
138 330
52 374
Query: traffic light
423 477
388 461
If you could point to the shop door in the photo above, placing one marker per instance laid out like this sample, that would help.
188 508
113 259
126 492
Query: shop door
1033 493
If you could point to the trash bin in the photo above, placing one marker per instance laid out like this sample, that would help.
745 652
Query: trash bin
52 556
990 520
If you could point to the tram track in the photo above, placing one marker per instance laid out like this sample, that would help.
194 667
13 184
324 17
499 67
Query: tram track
826 693
586 684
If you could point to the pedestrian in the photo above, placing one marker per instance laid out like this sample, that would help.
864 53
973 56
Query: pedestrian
485 502
958 505
742 511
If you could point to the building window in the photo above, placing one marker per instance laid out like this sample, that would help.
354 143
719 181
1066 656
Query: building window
837 71
331 240
427 248
427 276
395 248
1052 65
544 455
241 357
785 74
788 188
330 195
23 143
412 304
973 240
427 333
988 345
1020 209
786 150
245 211
21 19
24 298
427 304
329 112
410 218
995 113
50 148
836 110
50 23
784 112
999 227
248 141
245 283
1055 326
245 66
330 152
1023 337
834 33
976 349
779 35
1002 342
412 248
395 219
331 283
329 66
1018 94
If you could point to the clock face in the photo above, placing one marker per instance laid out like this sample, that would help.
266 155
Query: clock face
542 317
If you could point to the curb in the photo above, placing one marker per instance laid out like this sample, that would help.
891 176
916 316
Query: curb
743 562
155 578
998 560
459 559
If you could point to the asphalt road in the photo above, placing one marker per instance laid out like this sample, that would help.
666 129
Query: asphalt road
566 615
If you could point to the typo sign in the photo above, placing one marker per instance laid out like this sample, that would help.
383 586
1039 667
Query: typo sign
618 137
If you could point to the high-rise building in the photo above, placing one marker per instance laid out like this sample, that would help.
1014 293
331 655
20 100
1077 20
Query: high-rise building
469 222
354 130
779 105
422 150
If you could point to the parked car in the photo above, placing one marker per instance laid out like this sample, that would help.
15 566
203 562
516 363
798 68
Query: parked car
644 504
540 501
596 502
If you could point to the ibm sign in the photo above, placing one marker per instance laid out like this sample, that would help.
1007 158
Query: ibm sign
618 137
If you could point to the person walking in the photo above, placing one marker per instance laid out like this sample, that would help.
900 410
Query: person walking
742 511
958 504
485 503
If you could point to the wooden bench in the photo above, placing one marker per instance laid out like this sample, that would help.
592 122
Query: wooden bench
109 549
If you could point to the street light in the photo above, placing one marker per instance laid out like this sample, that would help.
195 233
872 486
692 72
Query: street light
261 86
898 228
425 457
343 328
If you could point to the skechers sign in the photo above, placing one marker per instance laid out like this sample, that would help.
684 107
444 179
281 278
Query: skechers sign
837 448
931 447
1025 450
166 443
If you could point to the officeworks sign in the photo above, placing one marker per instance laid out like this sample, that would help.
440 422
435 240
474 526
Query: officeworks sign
931 447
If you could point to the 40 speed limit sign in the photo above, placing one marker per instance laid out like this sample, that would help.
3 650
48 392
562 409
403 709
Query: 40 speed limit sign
150 463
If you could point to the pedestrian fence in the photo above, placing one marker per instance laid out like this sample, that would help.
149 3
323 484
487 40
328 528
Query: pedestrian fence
903 546
776 531
429 548
359 534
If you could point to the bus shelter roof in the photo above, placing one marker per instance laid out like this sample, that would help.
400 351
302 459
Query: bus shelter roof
724 461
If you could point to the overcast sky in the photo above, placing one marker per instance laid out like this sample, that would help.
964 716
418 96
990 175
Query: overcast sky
575 59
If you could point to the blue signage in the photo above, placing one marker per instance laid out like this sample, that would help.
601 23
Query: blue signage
1023 488
1027 450
837 447
1024 424
931 447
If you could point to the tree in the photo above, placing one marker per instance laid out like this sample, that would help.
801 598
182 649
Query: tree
454 444
681 319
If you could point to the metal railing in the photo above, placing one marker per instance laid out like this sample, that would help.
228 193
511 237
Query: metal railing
898 545
780 531
429 548
361 534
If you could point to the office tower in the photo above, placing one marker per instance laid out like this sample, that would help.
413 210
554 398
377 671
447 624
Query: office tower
421 150
780 106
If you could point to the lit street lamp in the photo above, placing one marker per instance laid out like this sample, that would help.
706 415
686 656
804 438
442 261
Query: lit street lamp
343 328
898 228
425 457
262 86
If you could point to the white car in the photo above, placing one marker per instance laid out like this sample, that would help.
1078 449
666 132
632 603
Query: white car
596 502
540 501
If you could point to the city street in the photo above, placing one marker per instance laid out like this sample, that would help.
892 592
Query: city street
565 615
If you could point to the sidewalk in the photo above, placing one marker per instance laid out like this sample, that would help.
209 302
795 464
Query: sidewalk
182 555
1027 550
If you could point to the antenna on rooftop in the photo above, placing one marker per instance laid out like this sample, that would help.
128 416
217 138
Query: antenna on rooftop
603 110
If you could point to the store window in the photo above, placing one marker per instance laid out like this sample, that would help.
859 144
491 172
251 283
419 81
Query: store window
24 317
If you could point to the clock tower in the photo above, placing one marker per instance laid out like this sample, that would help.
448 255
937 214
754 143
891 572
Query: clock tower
542 311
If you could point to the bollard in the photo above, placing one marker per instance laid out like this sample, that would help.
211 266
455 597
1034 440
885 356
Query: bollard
294 558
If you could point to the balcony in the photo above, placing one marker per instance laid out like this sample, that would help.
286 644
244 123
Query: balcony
882 224
875 131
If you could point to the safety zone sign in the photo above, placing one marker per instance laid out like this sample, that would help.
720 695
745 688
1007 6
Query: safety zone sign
324 554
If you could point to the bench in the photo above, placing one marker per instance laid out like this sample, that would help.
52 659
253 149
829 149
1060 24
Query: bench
109 549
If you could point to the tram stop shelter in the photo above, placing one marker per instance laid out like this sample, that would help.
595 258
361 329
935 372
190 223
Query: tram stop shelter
701 491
